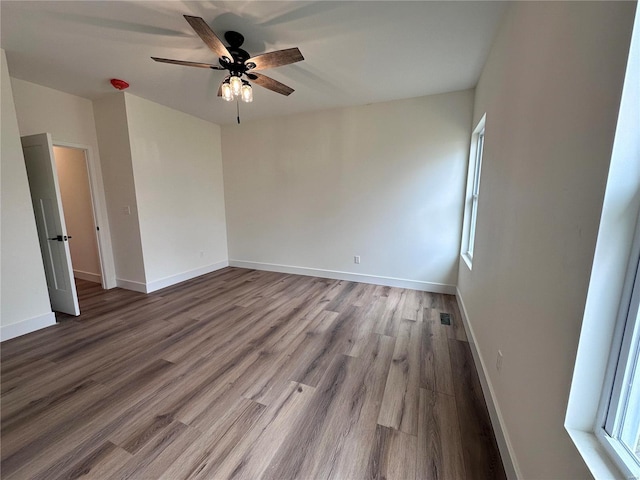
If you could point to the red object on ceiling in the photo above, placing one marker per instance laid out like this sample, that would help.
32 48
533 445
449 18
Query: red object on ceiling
119 84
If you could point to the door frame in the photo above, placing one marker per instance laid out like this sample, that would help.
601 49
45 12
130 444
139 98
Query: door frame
99 211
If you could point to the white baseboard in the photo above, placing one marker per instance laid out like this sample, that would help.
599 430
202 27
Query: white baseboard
13 330
506 450
88 276
171 280
131 285
181 277
352 277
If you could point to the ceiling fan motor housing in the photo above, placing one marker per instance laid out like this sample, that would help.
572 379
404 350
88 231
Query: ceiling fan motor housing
236 65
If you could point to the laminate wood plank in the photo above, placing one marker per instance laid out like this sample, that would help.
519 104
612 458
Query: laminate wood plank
350 456
334 438
20 435
336 340
436 301
383 291
219 384
367 294
344 297
201 460
253 454
450 306
93 361
304 319
109 415
51 445
389 321
54 339
213 404
435 364
299 287
296 458
104 457
393 456
145 349
159 454
267 388
413 306
86 345
475 424
28 373
363 329
439 442
283 282
22 413
97 466
399 407
194 389
161 404
201 335
234 326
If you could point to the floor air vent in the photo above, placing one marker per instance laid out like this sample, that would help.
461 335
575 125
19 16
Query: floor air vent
445 319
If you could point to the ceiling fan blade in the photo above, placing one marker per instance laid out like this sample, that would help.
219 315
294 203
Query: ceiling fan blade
270 83
275 59
208 36
188 64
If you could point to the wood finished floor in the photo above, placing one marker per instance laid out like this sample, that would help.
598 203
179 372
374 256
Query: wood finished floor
247 374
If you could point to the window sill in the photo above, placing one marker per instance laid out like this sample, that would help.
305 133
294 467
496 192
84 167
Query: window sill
467 259
594 455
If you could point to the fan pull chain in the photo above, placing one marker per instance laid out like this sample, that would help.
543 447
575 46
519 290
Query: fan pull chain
238 110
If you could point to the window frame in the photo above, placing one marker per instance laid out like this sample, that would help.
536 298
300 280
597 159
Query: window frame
476 154
621 367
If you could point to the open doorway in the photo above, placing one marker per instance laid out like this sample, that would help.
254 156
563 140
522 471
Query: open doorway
74 163
75 191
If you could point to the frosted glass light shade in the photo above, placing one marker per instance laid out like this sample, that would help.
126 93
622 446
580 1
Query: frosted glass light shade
236 85
227 92
247 93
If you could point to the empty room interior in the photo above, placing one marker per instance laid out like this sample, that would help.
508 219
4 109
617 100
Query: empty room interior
325 239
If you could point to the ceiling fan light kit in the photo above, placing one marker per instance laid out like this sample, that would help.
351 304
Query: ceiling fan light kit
238 63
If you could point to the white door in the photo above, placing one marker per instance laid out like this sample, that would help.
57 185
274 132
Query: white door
52 232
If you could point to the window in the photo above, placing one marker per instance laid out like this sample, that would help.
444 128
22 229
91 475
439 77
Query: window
473 189
620 410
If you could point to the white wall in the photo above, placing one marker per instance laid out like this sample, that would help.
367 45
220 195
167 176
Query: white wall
24 304
177 167
551 90
73 178
383 181
69 119
115 151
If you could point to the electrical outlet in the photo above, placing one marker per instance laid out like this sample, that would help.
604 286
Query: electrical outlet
126 210
356 259
499 361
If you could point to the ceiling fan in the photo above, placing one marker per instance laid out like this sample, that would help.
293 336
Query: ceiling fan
238 63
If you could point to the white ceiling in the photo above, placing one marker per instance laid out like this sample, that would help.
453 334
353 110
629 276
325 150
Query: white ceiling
355 52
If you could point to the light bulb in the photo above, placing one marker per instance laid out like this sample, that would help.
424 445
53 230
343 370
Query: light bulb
247 93
227 93
236 85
